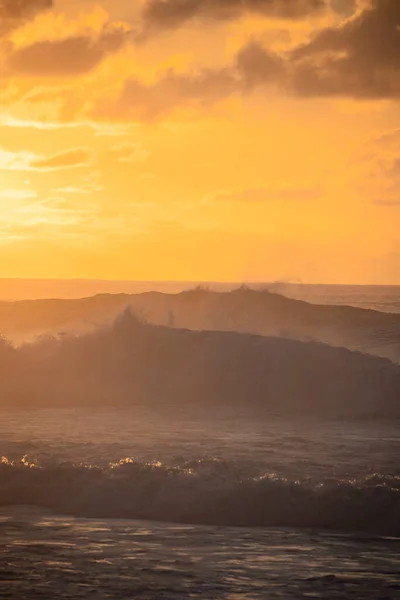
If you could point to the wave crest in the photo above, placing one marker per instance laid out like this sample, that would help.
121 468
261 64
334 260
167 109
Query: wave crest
209 492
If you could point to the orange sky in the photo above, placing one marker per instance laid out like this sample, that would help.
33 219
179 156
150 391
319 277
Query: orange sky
200 139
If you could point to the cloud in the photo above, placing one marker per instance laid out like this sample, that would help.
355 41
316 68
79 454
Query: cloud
84 188
68 57
129 152
14 13
19 9
360 58
76 157
15 161
344 7
170 14
88 185
377 165
60 206
48 218
145 102
99 129
56 203
14 194
27 161
257 66
253 67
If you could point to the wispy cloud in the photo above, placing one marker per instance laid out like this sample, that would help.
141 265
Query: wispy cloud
17 194
49 218
129 152
76 157
87 185
100 129
160 15
69 57
28 161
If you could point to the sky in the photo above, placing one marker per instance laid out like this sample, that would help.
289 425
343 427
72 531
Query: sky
212 140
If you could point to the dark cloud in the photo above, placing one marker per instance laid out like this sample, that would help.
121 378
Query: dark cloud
170 14
13 13
21 9
67 57
360 58
76 157
257 66
344 7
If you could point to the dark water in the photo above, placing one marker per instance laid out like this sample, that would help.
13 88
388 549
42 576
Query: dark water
46 556
326 495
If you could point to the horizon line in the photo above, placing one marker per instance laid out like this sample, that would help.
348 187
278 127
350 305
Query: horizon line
192 281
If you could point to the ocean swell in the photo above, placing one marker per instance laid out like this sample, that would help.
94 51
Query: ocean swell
132 363
208 492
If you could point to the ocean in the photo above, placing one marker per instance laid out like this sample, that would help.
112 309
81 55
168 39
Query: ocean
144 503
384 298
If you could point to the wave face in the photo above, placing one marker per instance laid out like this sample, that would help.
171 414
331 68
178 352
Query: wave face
135 363
210 492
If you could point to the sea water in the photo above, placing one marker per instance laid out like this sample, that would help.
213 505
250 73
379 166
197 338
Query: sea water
129 504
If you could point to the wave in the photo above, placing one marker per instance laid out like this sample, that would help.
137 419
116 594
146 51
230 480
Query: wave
208 492
134 363
245 310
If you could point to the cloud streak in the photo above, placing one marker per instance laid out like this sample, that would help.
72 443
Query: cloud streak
77 157
27 161
159 15
88 185
14 194
68 57
129 152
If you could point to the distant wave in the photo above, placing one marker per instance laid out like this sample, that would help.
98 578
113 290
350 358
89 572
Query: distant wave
204 492
244 310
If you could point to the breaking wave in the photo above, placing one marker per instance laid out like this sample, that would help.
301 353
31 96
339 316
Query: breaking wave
134 363
209 492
